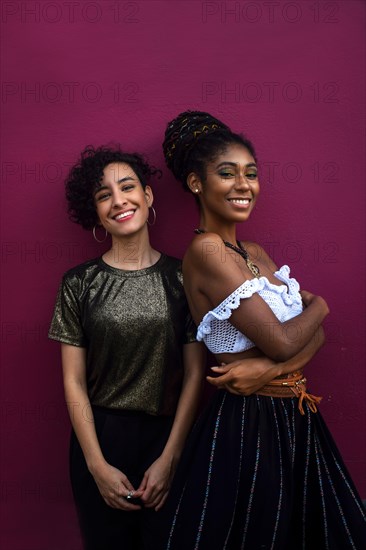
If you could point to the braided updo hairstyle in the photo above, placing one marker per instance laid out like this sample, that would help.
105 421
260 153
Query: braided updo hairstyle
195 138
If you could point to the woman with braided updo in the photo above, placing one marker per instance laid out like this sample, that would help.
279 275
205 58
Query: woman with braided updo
131 365
261 470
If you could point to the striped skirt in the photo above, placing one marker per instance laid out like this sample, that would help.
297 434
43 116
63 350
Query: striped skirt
258 475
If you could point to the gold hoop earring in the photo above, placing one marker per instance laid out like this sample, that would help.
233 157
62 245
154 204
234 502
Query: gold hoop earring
95 237
154 215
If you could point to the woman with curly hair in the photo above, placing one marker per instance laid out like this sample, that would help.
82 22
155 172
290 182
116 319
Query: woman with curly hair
131 366
260 471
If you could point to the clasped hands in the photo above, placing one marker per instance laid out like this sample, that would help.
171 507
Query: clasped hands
115 487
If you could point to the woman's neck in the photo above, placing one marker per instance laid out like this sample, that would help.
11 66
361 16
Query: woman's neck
131 253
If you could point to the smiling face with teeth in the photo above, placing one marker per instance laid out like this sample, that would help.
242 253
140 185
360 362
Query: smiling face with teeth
230 189
122 204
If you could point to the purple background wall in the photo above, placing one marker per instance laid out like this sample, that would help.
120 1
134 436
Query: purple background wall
290 74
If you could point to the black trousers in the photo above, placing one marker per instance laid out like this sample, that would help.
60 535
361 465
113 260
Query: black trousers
130 442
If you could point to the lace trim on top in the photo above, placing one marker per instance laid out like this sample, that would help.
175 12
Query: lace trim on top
284 300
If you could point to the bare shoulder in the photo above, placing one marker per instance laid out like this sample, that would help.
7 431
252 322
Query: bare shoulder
210 270
258 254
205 249
205 240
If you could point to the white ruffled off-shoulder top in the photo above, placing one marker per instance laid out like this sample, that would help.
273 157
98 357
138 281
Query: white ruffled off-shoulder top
220 336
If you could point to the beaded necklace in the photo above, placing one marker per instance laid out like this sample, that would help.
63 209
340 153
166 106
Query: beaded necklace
254 269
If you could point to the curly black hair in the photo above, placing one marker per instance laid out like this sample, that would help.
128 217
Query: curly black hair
84 178
195 138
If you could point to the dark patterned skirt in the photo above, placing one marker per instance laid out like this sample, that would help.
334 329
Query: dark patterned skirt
258 475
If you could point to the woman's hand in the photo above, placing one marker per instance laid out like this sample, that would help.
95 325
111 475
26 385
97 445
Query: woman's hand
156 483
245 376
114 486
308 298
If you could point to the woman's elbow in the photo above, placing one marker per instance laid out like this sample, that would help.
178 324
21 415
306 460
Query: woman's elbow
320 337
282 351
282 356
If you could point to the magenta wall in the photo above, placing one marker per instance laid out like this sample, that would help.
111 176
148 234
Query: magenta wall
290 74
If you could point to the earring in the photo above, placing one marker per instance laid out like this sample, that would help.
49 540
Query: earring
154 216
95 237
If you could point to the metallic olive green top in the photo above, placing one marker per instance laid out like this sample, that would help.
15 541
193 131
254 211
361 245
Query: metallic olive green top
133 325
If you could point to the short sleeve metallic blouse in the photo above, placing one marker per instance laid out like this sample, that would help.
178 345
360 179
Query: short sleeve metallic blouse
133 325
